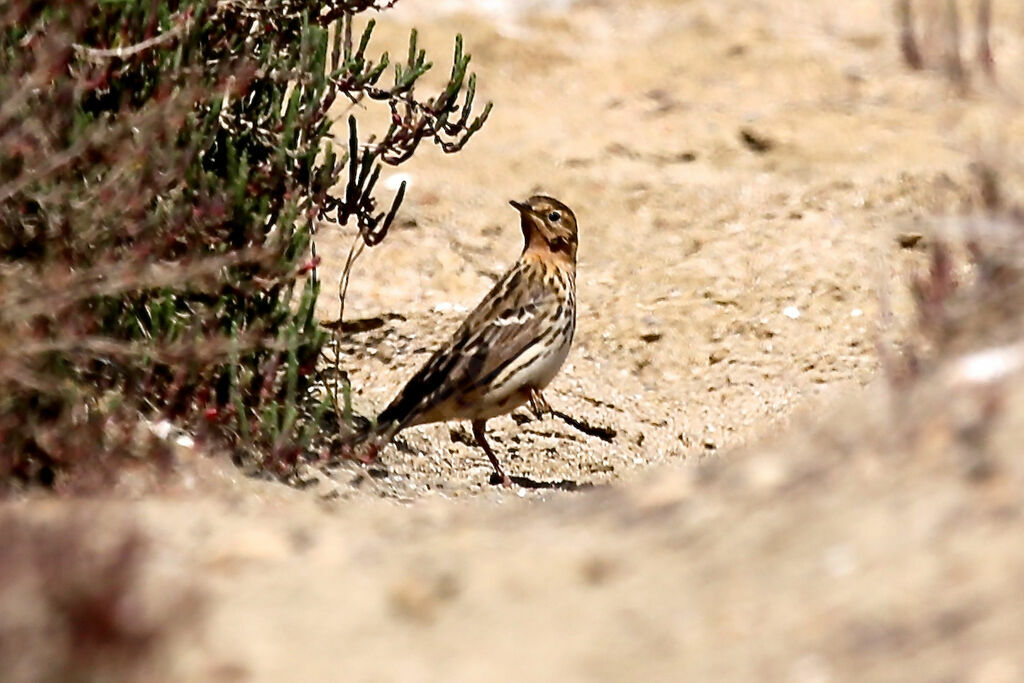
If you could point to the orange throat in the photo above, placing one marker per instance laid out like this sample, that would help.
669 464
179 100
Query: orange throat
538 250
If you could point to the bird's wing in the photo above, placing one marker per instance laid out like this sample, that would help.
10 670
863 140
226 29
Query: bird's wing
512 318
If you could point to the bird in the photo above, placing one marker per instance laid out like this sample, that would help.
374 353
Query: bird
510 346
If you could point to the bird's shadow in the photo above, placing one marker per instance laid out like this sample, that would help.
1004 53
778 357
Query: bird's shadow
527 483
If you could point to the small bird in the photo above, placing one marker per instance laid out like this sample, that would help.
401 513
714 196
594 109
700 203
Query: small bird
512 344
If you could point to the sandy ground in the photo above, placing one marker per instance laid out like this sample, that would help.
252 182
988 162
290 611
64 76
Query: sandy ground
741 172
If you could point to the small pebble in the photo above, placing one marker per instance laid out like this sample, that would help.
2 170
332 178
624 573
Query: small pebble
908 240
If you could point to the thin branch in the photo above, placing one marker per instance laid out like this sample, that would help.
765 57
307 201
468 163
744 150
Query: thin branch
984 28
952 61
97 54
908 39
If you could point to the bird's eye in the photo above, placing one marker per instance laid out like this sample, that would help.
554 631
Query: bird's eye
554 216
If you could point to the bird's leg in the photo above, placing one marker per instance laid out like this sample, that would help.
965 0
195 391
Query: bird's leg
538 404
481 440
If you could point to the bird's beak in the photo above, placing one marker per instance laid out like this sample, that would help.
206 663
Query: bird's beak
521 207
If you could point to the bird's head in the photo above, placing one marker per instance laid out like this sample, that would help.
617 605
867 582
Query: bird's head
548 225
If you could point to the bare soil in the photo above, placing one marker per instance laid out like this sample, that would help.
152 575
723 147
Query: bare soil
743 174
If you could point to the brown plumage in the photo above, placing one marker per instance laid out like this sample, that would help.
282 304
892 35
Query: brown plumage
512 344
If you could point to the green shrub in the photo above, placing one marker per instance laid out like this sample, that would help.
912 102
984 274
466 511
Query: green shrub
163 164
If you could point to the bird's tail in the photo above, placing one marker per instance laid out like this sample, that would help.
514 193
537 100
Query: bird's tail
363 438
358 430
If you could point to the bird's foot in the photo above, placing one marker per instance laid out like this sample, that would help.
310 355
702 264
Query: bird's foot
501 478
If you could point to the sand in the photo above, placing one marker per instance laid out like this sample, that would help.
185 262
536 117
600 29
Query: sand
743 174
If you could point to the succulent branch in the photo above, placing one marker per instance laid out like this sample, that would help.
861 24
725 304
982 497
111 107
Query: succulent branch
946 54
412 121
